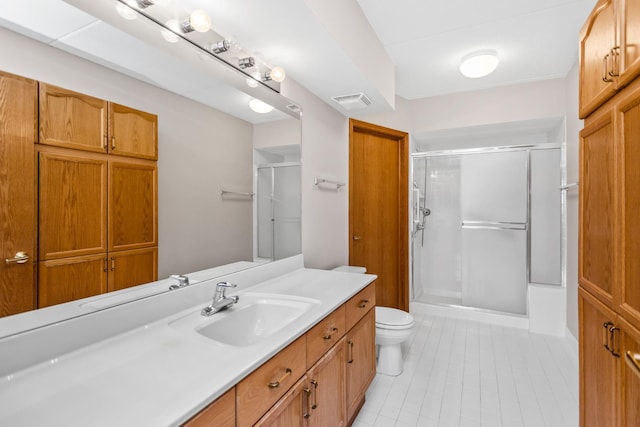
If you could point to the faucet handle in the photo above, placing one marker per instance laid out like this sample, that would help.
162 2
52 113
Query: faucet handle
225 285
182 281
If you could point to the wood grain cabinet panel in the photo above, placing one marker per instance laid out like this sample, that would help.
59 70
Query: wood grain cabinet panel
262 388
360 362
72 204
133 205
68 279
221 413
291 410
326 383
325 335
629 375
359 305
629 24
18 132
132 132
597 207
72 120
131 268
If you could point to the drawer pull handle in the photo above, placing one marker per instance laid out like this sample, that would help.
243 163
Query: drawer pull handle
633 360
276 384
314 405
612 339
327 336
350 355
363 303
605 335
307 393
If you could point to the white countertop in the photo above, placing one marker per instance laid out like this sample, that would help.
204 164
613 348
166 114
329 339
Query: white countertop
157 374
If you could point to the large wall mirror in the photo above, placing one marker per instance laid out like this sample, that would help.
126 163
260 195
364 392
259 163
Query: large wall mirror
221 166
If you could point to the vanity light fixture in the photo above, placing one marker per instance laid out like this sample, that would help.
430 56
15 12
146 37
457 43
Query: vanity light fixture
198 21
260 106
247 62
277 74
479 64
220 47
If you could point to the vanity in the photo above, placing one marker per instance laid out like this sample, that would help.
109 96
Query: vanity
297 349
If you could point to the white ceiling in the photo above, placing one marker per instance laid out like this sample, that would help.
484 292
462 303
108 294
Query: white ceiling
326 53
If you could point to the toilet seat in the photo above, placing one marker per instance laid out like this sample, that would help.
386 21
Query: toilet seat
392 318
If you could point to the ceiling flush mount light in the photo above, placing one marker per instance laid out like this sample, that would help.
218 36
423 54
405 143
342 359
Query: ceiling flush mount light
259 106
479 64
198 21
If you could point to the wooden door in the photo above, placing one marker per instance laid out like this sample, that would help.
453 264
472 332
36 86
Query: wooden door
73 120
132 132
18 133
68 279
378 209
72 204
221 413
327 386
292 410
597 39
133 205
629 375
628 113
598 201
360 362
598 366
630 39
131 268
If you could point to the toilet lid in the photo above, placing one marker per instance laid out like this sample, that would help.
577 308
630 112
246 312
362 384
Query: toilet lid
388 316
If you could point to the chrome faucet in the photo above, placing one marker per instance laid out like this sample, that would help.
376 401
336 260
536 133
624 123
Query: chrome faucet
182 281
220 300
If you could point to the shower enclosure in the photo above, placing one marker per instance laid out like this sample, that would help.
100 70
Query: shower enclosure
486 224
278 210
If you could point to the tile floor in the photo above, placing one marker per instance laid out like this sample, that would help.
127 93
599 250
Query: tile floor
461 373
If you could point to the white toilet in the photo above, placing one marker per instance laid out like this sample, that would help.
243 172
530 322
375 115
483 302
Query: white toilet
393 328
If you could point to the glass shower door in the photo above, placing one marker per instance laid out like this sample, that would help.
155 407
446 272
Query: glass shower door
494 194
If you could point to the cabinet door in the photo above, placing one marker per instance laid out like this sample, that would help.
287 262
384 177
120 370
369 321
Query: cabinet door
73 120
132 132
68 279
72 204
18 123
360 362
221 413
292 410
131 268
133 205
598 366
597 39
598 200
327 386
630 39
629 117
629 375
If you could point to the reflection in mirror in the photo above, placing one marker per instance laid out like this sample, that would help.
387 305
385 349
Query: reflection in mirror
208 139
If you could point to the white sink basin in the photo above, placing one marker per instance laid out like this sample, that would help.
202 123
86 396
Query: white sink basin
254 318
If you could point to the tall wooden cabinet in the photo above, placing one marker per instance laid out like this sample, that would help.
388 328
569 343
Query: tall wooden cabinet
97 192
18 131
609 248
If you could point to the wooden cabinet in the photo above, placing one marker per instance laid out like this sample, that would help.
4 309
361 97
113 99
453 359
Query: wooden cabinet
132 132
221 413
598 366
131 268
325 335
18 132
291 410
361 362
72 120
629 374
327 403
609 57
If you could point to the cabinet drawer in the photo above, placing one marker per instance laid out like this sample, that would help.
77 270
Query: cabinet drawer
324 335
221 413
359 305
260 390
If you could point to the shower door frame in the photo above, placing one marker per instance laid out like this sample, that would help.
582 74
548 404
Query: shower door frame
499 149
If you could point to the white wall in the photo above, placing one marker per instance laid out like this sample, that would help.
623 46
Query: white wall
200 150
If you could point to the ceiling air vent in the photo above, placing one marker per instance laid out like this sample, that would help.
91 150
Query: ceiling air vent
357 101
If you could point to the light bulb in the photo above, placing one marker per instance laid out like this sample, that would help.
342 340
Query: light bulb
200 21
168 35
277 74
259 106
